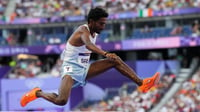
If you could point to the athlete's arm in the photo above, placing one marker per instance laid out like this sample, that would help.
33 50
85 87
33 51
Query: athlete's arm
89 45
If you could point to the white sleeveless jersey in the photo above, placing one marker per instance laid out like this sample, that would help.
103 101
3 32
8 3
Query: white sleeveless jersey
78 55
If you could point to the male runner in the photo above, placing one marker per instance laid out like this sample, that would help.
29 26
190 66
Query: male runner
76 68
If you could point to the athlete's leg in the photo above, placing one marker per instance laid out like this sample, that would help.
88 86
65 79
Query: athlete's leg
101 66
64 92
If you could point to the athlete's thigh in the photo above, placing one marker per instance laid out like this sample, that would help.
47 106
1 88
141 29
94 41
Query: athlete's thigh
98 67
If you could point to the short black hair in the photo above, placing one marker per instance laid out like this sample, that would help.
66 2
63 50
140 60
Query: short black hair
96 13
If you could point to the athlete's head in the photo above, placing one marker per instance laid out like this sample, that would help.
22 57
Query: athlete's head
97 19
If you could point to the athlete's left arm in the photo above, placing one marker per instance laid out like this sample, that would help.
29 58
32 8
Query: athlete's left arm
89 45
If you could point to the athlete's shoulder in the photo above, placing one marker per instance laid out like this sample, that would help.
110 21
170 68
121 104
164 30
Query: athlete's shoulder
83 28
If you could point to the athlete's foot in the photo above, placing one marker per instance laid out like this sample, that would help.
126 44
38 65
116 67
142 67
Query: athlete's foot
29 96
148 83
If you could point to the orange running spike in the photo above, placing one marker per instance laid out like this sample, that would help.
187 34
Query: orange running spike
148 83
29 96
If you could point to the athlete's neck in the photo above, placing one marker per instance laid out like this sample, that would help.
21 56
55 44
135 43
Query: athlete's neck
92 32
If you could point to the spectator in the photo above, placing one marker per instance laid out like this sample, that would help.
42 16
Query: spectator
55 71
11 39
142 102
177 30
187 98
195 29
47 8
146 29
77 10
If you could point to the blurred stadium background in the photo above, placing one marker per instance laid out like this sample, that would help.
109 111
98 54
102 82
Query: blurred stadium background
149 35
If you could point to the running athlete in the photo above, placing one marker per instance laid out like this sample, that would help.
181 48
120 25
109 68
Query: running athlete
76 68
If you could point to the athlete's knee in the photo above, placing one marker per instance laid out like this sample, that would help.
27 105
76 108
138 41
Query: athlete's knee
61 101
117 61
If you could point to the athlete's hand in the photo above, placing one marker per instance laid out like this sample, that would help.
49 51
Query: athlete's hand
111 56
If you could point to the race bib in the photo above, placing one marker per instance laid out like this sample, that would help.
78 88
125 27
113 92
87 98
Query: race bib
68 69
83 58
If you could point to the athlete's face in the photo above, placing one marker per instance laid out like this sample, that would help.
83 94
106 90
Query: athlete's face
99 25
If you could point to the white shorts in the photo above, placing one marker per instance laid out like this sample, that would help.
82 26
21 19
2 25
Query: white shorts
77 72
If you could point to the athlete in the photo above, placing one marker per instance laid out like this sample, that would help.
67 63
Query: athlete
76 68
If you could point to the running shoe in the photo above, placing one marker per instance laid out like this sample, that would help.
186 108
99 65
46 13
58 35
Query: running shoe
29 96
148 83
